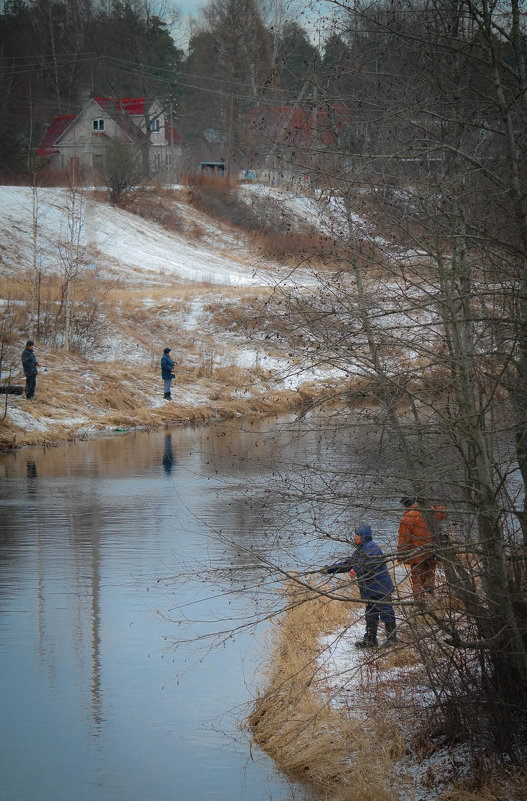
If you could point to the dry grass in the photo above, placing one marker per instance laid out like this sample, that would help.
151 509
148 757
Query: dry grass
156 206
231 376
310 245
344 754
334 754
504 785
76 396
13 288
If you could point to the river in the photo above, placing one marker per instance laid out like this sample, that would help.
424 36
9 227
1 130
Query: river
101 541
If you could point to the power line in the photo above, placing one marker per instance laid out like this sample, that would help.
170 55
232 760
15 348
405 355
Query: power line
92 54
21 65
210 85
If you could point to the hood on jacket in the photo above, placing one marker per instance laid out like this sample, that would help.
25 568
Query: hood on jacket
363 532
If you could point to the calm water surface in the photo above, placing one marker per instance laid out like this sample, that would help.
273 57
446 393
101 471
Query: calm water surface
97 705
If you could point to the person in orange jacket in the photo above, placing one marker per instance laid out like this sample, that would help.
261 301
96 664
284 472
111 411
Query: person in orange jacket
416 547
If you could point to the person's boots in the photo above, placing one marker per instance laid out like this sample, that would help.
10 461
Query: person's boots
370 637
167 395
391 635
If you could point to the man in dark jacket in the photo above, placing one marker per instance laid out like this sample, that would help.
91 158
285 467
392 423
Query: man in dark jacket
167 372
368 566
30 364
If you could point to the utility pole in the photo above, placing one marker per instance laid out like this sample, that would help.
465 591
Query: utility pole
229 139
171 141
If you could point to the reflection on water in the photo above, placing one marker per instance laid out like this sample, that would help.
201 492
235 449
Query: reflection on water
168 455
97 705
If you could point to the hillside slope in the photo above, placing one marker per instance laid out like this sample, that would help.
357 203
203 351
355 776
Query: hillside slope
190 287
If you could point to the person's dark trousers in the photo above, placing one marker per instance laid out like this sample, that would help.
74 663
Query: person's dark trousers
385 612
31 382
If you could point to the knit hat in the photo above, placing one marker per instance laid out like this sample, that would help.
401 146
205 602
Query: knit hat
166 350
407 502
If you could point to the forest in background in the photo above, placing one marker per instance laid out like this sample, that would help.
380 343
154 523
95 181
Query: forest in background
55 55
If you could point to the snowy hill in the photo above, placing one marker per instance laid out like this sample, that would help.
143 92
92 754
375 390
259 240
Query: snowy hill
187 288
124 244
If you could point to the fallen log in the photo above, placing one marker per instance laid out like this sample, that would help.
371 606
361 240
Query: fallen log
11 389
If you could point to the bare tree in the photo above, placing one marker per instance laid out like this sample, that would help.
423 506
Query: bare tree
72 254
427 316
231 69
122 169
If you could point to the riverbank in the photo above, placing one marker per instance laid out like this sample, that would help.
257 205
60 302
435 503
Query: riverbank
76 399
350 725
192 283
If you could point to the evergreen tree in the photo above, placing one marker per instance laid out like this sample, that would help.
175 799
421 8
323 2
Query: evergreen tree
230 69
57 53
295 57
15 84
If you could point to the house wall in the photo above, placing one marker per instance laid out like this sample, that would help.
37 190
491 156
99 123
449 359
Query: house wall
82 147
165 161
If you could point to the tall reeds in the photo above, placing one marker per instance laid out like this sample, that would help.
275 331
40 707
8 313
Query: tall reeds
338 755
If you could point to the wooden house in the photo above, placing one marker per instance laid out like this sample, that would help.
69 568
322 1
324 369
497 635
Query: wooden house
77 144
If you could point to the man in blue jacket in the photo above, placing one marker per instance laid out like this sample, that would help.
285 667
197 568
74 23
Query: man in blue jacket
167 372
368 566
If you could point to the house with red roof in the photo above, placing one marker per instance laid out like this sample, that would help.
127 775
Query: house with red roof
79 143
295 139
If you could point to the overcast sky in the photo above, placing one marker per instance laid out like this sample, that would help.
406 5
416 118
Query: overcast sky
190 6
180 32
315 20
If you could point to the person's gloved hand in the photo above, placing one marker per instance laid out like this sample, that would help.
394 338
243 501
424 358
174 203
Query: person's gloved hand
324 569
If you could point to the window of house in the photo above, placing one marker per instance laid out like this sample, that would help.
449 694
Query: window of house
98 125
157 161
155 125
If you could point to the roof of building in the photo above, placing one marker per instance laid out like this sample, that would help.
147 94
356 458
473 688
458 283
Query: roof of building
120 110
135 106
172 136
301 125
58 126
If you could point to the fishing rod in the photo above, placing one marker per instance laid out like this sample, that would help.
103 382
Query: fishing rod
320 570
184 372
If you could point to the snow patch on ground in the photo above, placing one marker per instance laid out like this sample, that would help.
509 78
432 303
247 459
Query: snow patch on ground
356 681
326 212
136 250
117 241
24 419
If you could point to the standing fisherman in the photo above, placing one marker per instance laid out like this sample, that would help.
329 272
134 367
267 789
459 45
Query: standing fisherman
416 547
167 372
29 365
368 565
